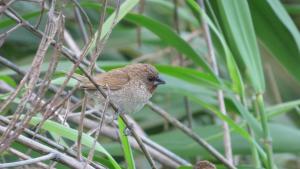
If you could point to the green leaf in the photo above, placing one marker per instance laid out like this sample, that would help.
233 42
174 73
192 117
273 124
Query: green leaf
165 33
125 145
186 147
237 82
185 167
191 76
7 22
247 116
292 8
10 81
239 31
72 134
125 8
233 125
278 34
282 108
168 8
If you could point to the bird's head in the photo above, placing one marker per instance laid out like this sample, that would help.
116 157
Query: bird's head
147 74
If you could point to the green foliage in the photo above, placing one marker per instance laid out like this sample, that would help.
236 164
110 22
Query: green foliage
246 34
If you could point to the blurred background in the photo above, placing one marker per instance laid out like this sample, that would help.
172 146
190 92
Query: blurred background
257 47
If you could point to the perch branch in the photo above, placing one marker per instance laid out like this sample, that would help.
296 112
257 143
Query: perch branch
190 133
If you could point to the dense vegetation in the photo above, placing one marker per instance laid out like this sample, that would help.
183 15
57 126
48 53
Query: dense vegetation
231 67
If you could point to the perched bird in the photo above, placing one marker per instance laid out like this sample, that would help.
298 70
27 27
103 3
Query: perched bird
129 87
204 165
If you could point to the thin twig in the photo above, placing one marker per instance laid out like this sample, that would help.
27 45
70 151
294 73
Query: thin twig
50 31
49 156
190 133
80 128
4 6
71 162
81 25
85 16
220 93
26 157
138 139
98 129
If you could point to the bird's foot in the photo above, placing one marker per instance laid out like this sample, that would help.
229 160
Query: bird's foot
128 130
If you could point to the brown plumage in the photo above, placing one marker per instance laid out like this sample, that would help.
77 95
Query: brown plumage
130 87
204 165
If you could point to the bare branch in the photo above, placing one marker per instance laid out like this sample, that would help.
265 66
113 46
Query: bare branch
26 157
49 156
193 135
71 162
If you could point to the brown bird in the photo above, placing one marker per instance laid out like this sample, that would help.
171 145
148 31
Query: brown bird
129 87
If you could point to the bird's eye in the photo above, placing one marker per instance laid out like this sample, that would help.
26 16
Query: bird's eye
151 79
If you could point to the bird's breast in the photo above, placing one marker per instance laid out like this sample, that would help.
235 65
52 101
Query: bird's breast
132 97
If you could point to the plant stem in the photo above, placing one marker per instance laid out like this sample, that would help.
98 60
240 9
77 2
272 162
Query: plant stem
220 94
267 140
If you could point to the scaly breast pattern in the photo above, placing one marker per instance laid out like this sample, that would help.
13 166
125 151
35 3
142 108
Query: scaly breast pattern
131 98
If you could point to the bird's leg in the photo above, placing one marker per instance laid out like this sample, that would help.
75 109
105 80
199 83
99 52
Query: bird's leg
127 131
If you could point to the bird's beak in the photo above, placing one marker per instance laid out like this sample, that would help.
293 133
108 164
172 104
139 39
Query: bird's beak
159 81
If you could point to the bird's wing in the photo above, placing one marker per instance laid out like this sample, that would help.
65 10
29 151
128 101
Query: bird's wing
114 79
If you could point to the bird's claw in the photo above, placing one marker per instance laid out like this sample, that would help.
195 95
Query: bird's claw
127 131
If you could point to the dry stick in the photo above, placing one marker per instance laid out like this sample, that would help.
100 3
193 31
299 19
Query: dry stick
50 30
138 139
81 25
4 35
43 139
49 156
52 24
98 129
26 157
80 129
164 151
167 160
63 158
220 93
46 140
54 59
83 54
85 16
4 6
193 135
39 20
180 57
99 42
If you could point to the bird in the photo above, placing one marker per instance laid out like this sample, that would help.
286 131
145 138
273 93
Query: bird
129 87
204 165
